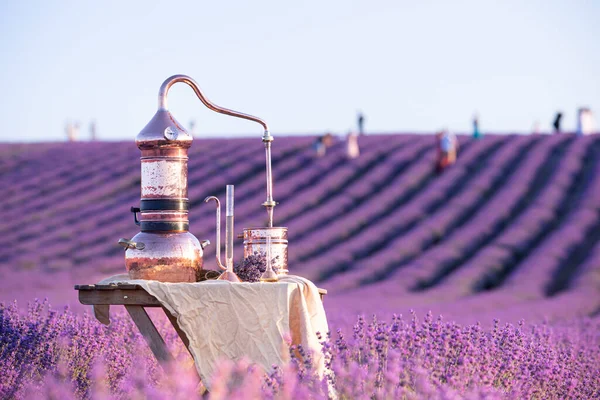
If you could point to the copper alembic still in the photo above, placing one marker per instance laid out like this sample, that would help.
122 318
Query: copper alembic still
165 250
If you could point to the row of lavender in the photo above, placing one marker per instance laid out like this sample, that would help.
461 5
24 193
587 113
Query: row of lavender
515 214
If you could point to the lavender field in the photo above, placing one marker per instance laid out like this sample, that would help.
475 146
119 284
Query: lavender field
505 245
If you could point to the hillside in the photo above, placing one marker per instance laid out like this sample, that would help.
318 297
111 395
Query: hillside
511 231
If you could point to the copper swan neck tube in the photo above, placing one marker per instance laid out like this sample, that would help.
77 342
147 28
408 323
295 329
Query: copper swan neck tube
267 138
164 89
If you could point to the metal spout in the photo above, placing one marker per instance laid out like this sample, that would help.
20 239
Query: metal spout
269 204
267 138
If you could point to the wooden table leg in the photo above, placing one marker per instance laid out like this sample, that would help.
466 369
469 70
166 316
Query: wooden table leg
102 313
150 333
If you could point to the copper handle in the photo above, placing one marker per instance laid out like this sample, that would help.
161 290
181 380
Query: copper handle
129 244
135 210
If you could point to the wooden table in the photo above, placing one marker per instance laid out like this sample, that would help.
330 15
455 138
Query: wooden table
135 299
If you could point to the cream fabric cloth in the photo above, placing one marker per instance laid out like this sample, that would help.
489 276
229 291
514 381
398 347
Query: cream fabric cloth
235 320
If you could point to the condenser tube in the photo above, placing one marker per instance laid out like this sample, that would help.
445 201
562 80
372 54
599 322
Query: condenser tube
229 228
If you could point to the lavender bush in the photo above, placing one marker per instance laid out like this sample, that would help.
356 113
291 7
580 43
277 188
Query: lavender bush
44 344
48 354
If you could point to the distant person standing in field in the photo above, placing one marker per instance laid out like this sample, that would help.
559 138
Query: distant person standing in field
447 150
69 131
585 121
72 131
361 123
556 123
352 150
192 131
476 133
322 143
76 131
93 131
319 147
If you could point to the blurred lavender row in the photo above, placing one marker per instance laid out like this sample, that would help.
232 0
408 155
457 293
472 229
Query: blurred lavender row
515 220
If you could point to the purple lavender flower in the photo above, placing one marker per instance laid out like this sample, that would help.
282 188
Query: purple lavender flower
252 267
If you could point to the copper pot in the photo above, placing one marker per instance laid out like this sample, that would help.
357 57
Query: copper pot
165 257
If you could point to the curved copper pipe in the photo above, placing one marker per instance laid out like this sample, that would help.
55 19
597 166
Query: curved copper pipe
267 138
164 89
218 251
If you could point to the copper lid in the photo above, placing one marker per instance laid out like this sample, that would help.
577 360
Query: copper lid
163 130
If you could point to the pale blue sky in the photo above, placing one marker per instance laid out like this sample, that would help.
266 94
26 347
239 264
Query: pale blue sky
305 67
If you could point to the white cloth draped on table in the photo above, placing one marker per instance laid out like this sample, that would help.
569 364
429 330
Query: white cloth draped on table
236 320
